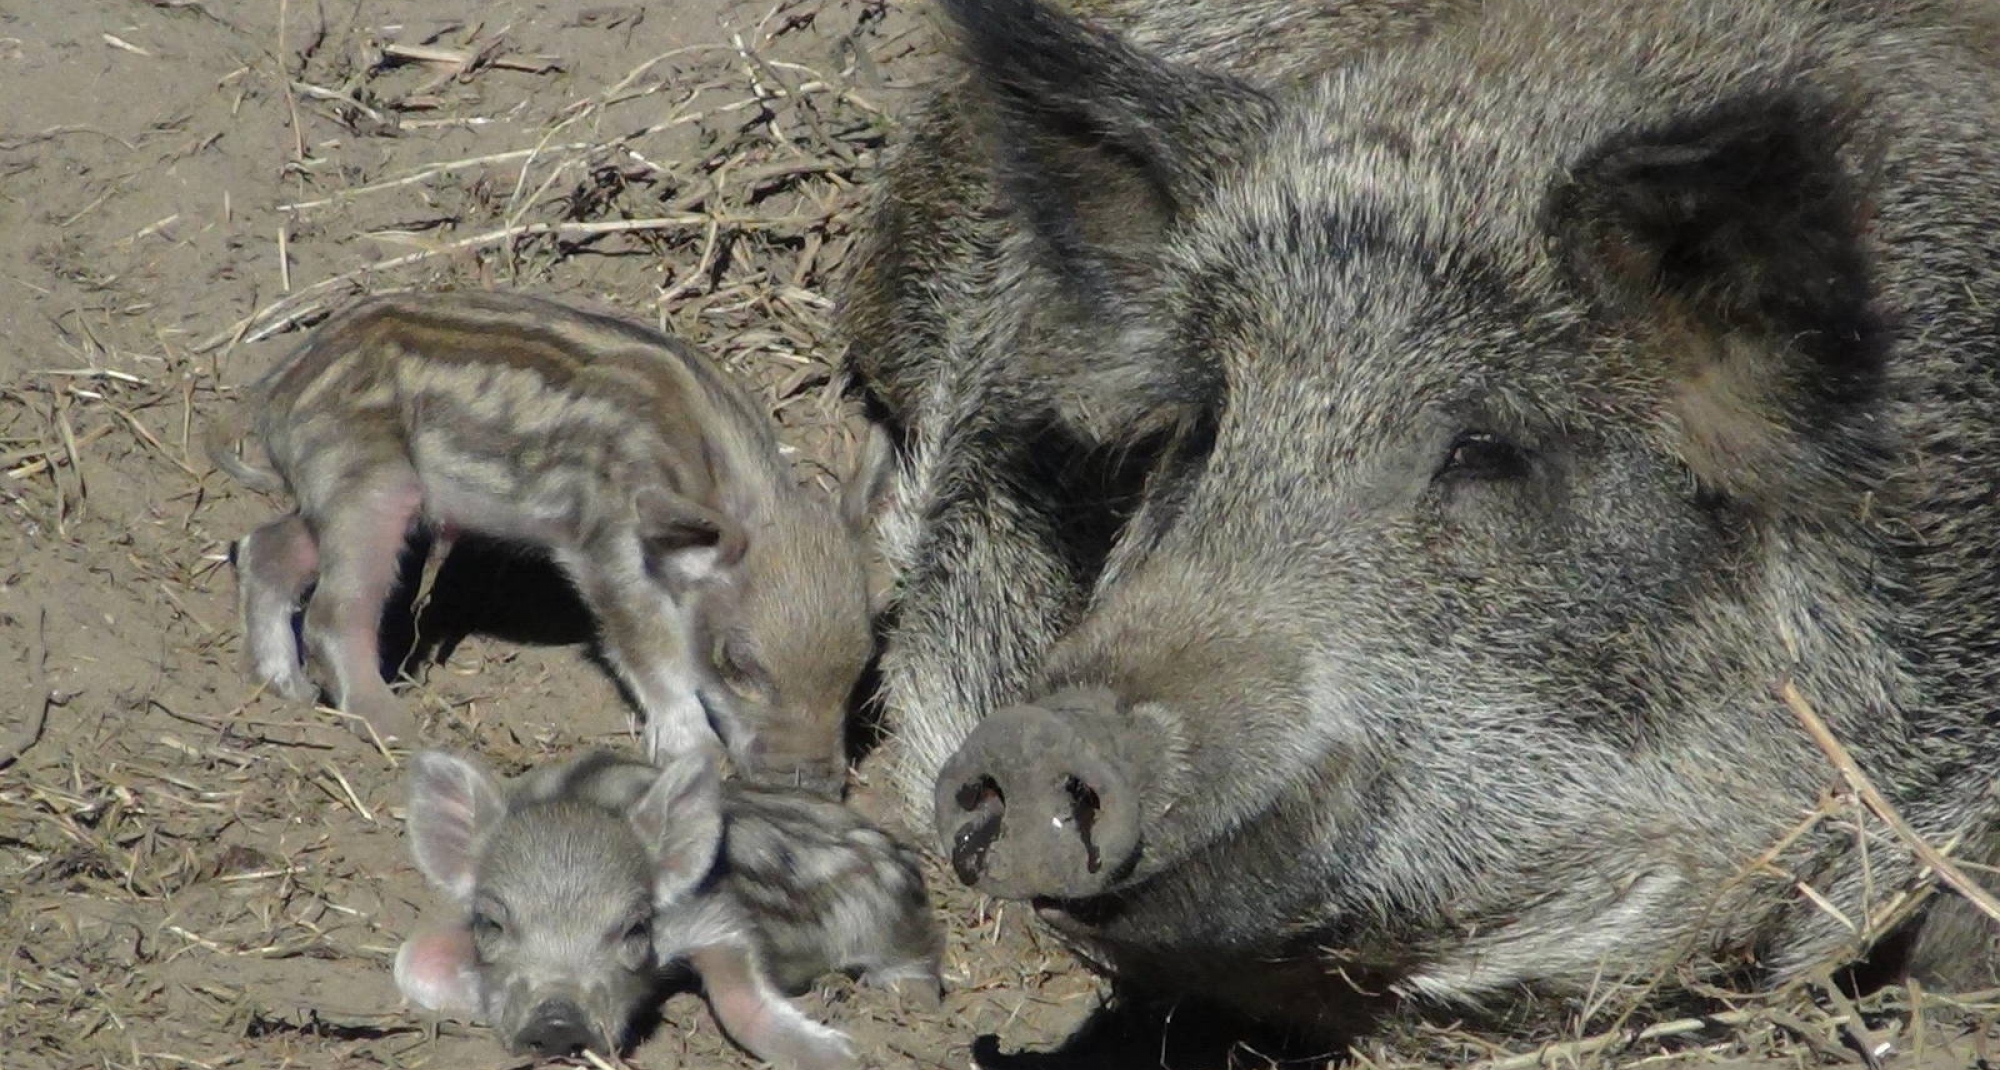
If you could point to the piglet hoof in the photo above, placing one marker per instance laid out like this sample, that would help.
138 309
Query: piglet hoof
915 990
926 995
1033 806
832 1054
287 680
377 715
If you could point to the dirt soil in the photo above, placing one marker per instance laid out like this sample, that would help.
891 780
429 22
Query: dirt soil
193 874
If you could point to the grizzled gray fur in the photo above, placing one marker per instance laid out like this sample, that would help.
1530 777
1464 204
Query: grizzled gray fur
727 597
580 881
1360 486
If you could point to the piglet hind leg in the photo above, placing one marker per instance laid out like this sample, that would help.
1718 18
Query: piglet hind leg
757 1016
360 542
274 566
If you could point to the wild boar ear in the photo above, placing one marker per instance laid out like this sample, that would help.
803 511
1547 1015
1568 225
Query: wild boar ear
685 542
1098 144
1736 238
679 819
454 803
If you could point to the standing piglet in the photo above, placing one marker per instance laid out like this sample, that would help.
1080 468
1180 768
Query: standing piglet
580 880
728 599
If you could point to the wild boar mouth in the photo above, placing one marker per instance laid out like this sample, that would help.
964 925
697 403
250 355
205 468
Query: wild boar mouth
1079 917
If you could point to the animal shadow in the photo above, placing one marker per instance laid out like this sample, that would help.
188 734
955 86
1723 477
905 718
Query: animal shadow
1135 1033
483 587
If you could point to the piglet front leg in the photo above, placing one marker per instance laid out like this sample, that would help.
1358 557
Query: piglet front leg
645 637
757 1016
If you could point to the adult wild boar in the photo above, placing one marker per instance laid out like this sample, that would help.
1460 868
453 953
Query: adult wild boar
1365 471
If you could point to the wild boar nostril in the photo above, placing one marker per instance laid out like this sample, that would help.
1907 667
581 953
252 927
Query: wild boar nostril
1084 804
980 796
978 793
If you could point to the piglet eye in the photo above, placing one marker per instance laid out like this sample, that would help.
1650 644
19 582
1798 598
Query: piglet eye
736 668
723 657
485 926
640 930
1483 455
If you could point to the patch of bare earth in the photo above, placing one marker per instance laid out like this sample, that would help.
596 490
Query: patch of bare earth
193 874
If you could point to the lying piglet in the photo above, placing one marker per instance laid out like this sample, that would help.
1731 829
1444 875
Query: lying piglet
581 881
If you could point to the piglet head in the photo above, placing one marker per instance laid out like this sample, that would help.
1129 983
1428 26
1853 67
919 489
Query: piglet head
779 612
558 892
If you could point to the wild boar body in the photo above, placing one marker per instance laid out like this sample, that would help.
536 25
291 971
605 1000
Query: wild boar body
1362 489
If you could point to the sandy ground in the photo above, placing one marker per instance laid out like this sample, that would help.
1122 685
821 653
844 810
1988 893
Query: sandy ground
193 874
196 875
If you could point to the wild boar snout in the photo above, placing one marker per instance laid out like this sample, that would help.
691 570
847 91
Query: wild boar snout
1033 806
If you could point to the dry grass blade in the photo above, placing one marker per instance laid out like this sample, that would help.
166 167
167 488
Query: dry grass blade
140 432
71 448
1858 782
1571 1052
31 734
463 62
433 171
123 45
284 76
599 1062
1871 1047
45 456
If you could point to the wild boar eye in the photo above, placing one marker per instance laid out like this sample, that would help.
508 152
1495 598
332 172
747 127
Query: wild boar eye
1483 455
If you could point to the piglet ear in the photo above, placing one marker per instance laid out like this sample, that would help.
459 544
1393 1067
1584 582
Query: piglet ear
437 971
685 542
872 472
679 819
454 803
859 496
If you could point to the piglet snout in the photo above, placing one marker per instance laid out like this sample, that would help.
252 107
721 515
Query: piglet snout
1033 806
774 764
557 1027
